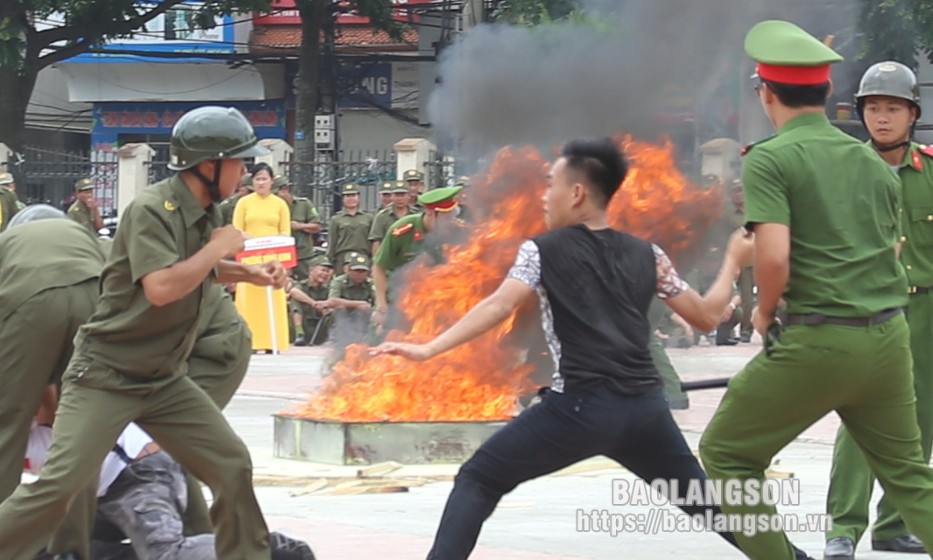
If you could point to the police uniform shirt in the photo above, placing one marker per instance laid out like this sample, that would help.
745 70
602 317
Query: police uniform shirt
843 221
343 287
80 213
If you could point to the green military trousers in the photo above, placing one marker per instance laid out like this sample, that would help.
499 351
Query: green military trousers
96 405
35 346
851 480
864 374
217 365
672 384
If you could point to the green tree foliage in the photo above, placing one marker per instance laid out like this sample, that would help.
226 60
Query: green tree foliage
28 45
896 29
534 12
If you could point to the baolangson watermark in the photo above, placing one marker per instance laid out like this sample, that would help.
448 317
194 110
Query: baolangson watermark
733 492
658 520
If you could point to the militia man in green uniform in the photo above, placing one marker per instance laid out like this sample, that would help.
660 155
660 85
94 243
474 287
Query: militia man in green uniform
306 223
414 180
888 102
408 237
8 184
349 228
351 297
385 194
824 209
228 205
40 312
131 356
84 210
389 215
311 296
9 204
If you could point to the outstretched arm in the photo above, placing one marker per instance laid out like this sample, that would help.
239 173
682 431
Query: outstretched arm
483 317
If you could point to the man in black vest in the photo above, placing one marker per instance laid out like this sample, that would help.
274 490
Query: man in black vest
594 285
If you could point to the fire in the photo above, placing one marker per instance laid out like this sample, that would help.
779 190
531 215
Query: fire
481 380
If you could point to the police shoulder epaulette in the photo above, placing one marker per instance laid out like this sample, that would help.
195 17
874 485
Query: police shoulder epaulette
402 229
925 150
749 147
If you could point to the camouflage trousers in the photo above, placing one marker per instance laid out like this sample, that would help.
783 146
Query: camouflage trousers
146 503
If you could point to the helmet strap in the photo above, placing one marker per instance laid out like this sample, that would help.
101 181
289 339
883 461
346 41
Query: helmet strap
213 186
889 147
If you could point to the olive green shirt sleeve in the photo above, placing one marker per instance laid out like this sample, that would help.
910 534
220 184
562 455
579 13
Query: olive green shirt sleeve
334 291
766 200
150 244
391 253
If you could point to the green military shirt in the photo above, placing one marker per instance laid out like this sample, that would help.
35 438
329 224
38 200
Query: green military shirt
348 233
384 220
402 243
226 208
8 207
842 204
80 213
343 287
916 173
303 212
317 293
163 225
70 256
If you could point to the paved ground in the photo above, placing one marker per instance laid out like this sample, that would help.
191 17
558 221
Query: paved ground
538 521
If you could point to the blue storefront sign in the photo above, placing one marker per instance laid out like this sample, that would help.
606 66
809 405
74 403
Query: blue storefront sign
110 120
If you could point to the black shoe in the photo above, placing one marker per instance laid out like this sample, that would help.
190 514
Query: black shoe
839 548
727 342
901 543
801 555
300 341
745 338
678 403
287 548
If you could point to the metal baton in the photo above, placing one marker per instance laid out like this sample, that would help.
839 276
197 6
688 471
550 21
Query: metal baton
715 383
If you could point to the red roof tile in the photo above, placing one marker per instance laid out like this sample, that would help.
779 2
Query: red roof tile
288 37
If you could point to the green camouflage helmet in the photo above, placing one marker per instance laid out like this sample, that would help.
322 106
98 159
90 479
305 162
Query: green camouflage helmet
210 133
891 79
279 182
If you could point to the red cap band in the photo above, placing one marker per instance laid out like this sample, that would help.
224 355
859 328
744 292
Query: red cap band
794 75
445 206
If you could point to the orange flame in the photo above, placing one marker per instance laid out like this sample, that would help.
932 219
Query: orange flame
481 380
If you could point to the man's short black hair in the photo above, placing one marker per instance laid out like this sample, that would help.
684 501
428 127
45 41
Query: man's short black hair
600 162
799 96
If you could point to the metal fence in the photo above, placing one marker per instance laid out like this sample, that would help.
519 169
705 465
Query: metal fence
49 176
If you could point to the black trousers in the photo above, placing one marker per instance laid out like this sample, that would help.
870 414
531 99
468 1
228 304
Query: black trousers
637 431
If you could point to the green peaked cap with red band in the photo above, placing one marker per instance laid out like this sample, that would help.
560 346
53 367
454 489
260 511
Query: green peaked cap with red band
787 54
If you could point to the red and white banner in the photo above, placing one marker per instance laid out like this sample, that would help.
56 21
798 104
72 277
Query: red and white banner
266 249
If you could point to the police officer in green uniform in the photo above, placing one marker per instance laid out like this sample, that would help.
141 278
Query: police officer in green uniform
130 358
9 204
306 223
824 209
390 214
414 180
48 288
408 237
888 102
385 194
349 228
311 296
84 209
228 205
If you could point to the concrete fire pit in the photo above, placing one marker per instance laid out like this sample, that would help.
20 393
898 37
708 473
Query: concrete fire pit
365 443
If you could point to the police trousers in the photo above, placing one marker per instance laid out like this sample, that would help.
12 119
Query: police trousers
861 372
